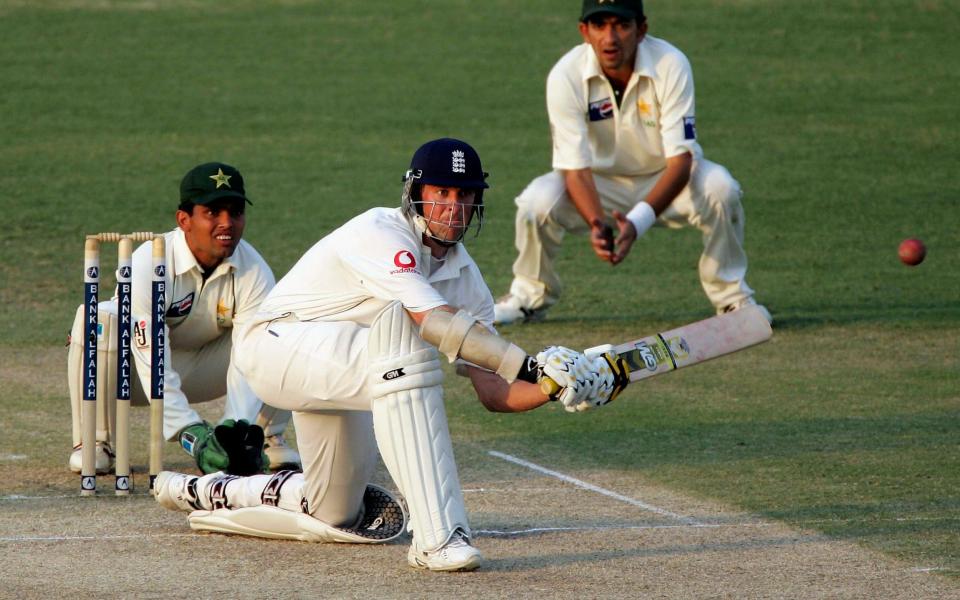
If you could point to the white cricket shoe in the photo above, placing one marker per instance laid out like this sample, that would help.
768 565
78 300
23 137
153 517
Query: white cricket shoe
177 491
508 310
104 458
281 456
749 301
456 555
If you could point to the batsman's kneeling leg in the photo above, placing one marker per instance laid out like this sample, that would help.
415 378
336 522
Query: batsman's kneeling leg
410 424
383 520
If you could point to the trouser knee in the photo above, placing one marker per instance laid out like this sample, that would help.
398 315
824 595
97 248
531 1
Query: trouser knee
722 191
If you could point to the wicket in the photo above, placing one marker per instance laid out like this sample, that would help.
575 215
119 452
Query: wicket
91 279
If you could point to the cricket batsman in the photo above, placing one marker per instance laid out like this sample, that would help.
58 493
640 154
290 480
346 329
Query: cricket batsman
348 340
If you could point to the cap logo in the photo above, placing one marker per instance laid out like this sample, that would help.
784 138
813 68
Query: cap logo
459 162
221 178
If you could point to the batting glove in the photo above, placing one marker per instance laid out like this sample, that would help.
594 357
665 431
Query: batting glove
566 375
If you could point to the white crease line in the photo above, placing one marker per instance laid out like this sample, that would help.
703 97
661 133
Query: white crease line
105 494
67 538
593 488
486 490
13 457
495 533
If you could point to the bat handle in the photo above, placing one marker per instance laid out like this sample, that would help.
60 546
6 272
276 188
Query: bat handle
549 387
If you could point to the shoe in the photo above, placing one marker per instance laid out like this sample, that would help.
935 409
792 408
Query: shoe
103 463
456 555
177 491
281 456
508 310
749 301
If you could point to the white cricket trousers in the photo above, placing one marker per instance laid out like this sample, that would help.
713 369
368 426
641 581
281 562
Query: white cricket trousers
318 370
710 202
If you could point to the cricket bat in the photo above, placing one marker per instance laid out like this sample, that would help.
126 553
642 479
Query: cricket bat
686 345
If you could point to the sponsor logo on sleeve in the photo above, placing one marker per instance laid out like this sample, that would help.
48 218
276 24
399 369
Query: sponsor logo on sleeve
405 261
600 110
689 128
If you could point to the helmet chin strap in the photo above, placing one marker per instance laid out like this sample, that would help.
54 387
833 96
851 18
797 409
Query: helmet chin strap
420 222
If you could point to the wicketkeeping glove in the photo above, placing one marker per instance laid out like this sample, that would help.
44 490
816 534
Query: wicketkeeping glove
234 447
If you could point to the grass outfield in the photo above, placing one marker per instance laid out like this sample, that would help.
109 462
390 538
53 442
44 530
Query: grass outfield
838 117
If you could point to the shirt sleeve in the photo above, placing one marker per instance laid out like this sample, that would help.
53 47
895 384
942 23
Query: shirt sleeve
387 264
568 126
675 93
253 286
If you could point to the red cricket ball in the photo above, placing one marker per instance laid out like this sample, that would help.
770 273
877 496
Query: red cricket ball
912 251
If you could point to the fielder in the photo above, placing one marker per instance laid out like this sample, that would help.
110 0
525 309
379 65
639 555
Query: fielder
215 283
346 340
621 109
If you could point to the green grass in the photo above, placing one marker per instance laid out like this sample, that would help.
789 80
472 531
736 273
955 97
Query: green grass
837 117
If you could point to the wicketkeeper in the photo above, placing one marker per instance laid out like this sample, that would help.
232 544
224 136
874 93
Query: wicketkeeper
215 283
348 341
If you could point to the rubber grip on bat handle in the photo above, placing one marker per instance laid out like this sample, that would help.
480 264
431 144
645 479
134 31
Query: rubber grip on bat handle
549 387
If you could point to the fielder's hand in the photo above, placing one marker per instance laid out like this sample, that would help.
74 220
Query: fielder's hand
566 375
601 238
626 236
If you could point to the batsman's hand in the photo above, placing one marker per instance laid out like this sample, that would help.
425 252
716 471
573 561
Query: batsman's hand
613 376
565 375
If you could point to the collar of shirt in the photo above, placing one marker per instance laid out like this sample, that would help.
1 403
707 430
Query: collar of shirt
451 265
184 260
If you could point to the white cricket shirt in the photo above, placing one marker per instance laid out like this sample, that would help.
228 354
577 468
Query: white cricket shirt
376 258
655 119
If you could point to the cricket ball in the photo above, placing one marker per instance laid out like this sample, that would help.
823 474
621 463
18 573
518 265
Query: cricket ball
912 251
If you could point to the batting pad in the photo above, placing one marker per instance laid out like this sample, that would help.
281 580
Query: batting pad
383 520
410 424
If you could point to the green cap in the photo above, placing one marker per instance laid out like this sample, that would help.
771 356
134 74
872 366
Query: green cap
213 181
628 9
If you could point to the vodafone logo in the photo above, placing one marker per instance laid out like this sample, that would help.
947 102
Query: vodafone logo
405 262
404 259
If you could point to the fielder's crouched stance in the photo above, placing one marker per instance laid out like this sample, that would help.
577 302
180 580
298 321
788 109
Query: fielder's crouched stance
348 340
214 284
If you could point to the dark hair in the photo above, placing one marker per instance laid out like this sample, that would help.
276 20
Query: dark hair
186 206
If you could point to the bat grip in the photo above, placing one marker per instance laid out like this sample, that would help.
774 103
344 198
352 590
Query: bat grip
549 387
